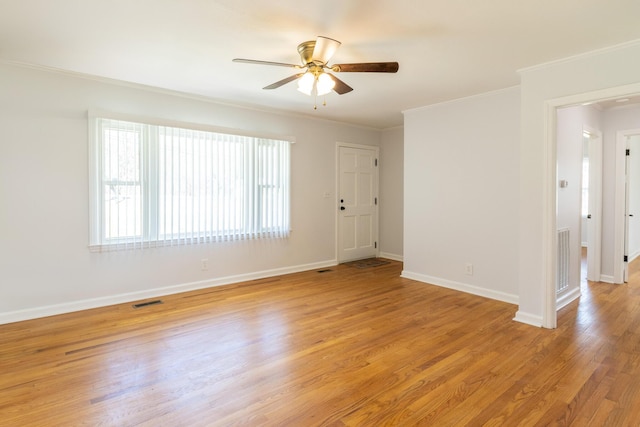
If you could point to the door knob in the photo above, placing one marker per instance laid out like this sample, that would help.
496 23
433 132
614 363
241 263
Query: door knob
342 208
589 216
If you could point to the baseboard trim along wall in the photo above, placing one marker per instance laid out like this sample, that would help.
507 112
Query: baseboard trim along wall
391 256
606 279
462 287
528 319
52 310
567 298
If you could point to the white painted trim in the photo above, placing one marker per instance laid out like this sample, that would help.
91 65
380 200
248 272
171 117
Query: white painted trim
585 55
568 298
462 287
184 95
457 100
391 256
549 217
52 310
606 279
528 319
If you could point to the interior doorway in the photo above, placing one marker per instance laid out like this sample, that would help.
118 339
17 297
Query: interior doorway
550 243
628 145
578 199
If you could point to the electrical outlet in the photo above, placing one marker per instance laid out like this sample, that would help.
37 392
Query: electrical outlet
468 269
204 264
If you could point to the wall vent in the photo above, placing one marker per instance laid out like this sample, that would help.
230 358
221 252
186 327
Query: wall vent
147 303
562 280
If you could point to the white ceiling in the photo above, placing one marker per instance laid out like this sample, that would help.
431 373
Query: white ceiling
447 49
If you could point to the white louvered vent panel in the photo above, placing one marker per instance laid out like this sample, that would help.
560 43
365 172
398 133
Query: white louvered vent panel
562 281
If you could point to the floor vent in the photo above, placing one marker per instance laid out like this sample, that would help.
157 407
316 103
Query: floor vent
562 281
147 303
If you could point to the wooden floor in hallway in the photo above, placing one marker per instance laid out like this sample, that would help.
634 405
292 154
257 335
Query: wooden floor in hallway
344 346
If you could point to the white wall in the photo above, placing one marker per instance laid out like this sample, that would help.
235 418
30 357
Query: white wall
461 187
595 73
391 193
45 266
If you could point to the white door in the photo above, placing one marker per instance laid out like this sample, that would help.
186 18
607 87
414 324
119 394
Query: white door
632 232
627 183
626 240
632 202
594 218
357 202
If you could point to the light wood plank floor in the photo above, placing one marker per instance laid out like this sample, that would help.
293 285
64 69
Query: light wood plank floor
354 347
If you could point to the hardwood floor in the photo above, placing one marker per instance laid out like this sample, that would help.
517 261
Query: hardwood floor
349 346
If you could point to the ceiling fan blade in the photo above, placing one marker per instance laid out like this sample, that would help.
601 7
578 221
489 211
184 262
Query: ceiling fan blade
255 61
366 67
324 49
283 81
341 87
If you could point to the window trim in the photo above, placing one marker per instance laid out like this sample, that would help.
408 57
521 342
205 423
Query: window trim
95 154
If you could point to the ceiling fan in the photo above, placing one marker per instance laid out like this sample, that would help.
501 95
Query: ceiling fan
315 77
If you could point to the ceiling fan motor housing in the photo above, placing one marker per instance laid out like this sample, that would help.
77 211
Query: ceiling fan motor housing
305 49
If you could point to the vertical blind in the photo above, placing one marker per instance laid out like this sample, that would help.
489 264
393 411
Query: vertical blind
159 185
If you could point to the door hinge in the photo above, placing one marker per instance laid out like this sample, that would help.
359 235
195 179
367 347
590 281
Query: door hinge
377 161
626 258
627 152
375 200
375 245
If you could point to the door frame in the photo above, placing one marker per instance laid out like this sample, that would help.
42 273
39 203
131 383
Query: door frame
549 245
376 225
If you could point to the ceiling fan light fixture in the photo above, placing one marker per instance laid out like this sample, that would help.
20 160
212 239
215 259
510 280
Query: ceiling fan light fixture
325 84
313 77
324 49
306 83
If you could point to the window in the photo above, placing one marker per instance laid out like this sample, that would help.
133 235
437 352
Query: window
158 185
585 186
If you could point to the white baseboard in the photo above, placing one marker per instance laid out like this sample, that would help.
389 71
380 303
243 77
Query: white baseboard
567 298
52 310
528 319
606 279
463 287
391 256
